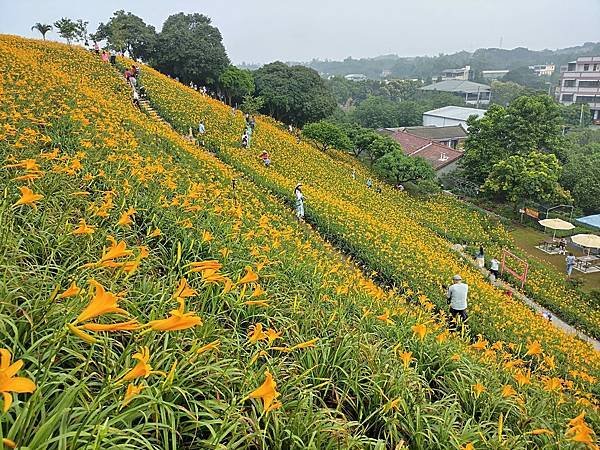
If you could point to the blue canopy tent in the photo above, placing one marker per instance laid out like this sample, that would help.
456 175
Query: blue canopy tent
592 221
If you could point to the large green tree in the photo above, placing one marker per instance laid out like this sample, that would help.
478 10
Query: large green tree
581 174
505 92
396 167
236 84
190 48
127 32
377 112
529 123
326 135
531 176
576 115
525 77
293 94
67 29
43 28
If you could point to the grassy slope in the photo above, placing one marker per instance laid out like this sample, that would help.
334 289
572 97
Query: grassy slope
336 394
383 230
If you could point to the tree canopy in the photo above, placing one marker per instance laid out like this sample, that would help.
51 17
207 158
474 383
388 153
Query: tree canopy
236 84
533 176
395 166
529 123
293 94
190 48
71 30
326 135
128 32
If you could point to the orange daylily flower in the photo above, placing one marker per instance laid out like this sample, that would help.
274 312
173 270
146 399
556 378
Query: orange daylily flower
264 303
132 391
9 443
508 391
115 251
250 277
406 358
71 291
77 331
84 228
214 345
420 330
256 333
120 326
385 317
155 233
534 349
28 197
539 431
268 393
125 219
179 320
142 369
203 265
306 344
272 335
9 382
102 303
184 290
478 389
206 236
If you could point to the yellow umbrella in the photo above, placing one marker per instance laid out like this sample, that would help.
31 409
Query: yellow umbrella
556 224
587 240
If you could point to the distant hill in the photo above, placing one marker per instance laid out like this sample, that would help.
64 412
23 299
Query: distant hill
429 66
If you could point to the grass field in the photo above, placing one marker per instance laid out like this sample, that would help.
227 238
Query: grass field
527 238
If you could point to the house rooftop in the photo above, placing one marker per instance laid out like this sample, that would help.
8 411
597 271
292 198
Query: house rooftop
455 112
435 133
437 155
468 87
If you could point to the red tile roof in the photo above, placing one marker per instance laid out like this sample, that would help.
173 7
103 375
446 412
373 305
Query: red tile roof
438 155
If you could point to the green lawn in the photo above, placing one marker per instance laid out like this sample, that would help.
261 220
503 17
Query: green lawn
527 238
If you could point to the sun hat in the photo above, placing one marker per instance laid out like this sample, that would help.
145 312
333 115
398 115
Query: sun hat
456 277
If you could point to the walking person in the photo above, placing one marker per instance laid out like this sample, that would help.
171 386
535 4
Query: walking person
299 201
104 56
457 299
495 268
562 246
480 258
245 140
201 131
136 99
570 261
113 57
369 183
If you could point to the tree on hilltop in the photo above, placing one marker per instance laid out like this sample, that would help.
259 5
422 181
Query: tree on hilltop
43 28
190 48
127 32
296 94
71 30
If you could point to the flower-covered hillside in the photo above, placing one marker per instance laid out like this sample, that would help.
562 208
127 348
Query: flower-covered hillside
146 303
385 230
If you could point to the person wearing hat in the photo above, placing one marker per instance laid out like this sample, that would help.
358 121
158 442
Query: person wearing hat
457 298
299 201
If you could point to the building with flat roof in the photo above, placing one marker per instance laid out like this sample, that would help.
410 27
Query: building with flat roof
441 157
452 136
355 77
472 93
580 83
451 115
464 73
543 70
491 75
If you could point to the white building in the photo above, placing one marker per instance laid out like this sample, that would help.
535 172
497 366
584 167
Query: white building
355 77
543 70
472 93
464 73
580 83
450 115
490 75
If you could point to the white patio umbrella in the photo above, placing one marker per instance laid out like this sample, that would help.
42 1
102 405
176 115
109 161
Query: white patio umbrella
556 224
587 240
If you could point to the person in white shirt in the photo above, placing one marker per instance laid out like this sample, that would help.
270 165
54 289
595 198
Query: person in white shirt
299 201
570 260
457 298
495 268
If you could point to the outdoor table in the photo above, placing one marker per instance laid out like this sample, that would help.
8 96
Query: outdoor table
584 262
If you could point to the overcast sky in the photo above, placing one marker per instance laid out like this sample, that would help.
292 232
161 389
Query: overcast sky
300 30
